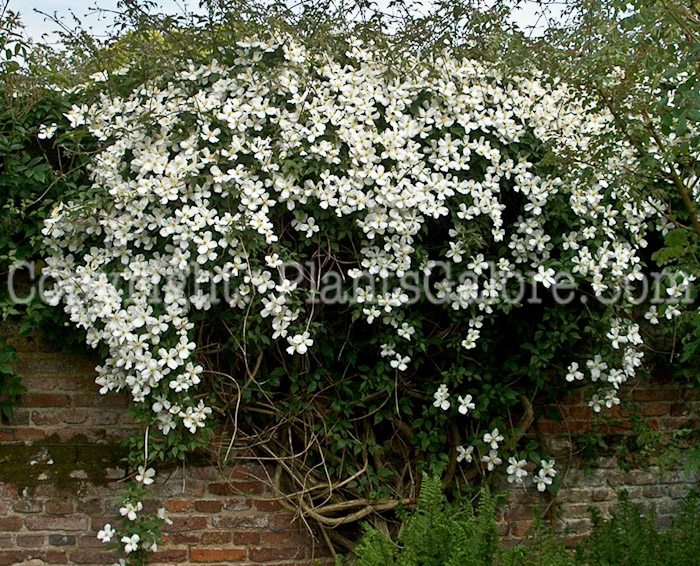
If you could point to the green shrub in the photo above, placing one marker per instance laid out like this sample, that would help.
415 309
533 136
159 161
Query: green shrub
441 534
437 534
631 538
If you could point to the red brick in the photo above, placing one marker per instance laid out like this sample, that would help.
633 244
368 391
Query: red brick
169 555
62 540
242 522
10 524
577 427
672 423
282 520
654 491
32 383
551 427
520 528
74 383
30 541
20 417
207 473
52 383
247 472
656 394
28 555
602 494
571 541
208 506
656 409
127 419
173 489
181 524
92 436
7 435
680 409
91 540
245 538
45 400
74 416
56 365
217 555
55 557
21 344
63 507
97 400
185 538
578 412
236 488
175 505
12 557
46 418
30 434
276 537
57 523
103 418
580 511
28 506
237 504
92 557
220 537
295 537
578 526
94 506
518 513
115 473
46 490
691 394
267 505
279 553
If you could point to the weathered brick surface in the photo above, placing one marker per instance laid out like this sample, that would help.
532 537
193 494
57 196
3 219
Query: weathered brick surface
61 482
597 484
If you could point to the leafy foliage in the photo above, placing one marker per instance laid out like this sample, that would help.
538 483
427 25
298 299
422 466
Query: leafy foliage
639 60
439 534
40 164
631 538
10 386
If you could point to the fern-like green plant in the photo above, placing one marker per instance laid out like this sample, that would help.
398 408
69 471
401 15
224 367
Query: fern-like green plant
684 534
440 534
631 538
375 548
437 534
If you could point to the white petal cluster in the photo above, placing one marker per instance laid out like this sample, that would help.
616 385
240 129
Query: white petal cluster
545 475
206 171
516 470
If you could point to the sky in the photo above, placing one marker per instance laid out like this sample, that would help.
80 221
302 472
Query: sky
37 26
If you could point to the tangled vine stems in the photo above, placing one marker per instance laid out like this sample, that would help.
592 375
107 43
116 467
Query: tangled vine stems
299 458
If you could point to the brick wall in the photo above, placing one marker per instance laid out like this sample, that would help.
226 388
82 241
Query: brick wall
597 483
60 475
60 472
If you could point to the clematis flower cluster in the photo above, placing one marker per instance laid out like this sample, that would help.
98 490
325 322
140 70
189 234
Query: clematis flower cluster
207 173
139 530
